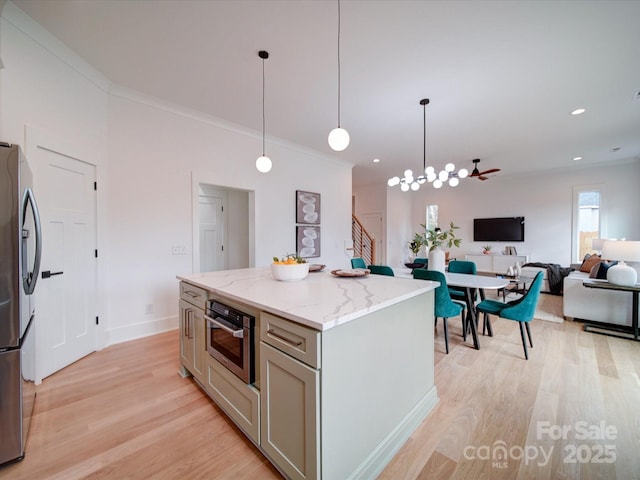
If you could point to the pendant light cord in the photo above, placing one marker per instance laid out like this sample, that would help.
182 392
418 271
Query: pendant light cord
424 102
424 138
263 116
338 63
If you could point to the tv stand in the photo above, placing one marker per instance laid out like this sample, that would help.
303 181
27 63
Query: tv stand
495 262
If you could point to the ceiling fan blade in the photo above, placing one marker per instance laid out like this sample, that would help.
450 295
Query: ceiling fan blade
492 170
482 178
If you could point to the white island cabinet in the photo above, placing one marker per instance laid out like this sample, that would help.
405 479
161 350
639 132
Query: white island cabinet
346 370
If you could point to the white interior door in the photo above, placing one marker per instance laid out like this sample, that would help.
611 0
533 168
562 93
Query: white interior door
212 231
66 295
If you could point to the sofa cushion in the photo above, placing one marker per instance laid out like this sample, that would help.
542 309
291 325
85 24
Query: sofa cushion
602 269
589 262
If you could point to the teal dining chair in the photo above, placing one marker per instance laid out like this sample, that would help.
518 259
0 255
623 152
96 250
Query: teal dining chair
357 262
460 266
381 270
521 310
421 260
444 306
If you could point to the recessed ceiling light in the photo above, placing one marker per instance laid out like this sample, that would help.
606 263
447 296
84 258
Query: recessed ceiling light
578 111
376 160
577 158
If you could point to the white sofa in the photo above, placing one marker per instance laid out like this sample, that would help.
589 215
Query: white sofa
531 271
606 306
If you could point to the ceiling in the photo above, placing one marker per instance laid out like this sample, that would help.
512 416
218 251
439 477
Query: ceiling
502 77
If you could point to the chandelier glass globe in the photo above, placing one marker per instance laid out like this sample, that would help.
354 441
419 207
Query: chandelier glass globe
339 139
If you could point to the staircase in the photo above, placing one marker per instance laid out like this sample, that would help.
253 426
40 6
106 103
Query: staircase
363 243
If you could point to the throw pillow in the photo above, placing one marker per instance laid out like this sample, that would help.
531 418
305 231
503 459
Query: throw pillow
593 273
589 262
602 270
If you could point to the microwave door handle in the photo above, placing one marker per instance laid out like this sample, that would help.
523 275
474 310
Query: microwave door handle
30 279
235 333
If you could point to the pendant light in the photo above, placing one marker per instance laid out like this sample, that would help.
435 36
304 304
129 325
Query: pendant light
338 137
428 174
408 182
263 163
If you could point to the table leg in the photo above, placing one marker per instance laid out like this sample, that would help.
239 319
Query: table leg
489 329
634 310
471 317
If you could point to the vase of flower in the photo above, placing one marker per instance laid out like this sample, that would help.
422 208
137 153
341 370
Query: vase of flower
435 240
437 259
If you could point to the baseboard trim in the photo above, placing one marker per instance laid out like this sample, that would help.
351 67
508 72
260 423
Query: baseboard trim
141 330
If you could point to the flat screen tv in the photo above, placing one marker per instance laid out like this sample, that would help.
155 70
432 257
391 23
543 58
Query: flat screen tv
506 229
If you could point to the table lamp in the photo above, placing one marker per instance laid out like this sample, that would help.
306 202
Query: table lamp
621 250
596 244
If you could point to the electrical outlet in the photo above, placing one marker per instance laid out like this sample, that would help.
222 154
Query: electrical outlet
178 250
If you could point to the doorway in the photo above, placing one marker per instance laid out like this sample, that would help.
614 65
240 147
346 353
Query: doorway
221 228
372 222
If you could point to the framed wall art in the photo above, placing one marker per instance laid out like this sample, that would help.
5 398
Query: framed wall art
307 207
308 241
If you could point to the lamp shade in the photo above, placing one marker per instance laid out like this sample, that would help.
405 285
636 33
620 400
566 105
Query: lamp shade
621 274
596 243
625 250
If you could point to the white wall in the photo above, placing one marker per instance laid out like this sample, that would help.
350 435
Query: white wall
150 156
56 92
153 152
546 202
400 230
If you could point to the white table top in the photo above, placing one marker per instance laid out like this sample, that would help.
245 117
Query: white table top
321 301
463 279
475 281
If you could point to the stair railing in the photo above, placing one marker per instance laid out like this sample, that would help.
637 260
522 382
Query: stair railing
364 245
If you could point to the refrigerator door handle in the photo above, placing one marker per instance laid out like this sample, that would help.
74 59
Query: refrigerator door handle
31 276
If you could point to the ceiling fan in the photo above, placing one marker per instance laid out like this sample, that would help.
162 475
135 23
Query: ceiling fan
481 175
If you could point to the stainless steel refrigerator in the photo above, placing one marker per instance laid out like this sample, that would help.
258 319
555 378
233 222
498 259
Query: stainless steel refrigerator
20 249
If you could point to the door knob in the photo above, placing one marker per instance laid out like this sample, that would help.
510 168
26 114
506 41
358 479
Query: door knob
49 273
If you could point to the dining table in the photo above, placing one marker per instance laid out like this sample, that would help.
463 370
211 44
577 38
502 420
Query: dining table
472 283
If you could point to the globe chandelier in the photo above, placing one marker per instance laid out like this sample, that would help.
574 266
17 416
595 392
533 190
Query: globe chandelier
428 174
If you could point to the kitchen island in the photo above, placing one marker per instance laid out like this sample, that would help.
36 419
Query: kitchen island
344 366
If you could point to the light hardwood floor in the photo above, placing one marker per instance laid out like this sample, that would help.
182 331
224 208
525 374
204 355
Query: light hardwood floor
124 412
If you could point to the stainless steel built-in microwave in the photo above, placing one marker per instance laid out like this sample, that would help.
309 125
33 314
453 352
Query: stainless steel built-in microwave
230 339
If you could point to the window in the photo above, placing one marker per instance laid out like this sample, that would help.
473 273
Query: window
586 225
432 217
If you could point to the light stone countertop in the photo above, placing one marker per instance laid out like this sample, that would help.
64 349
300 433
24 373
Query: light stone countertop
320 301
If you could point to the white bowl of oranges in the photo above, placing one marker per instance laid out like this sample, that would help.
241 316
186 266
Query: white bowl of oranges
289 268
